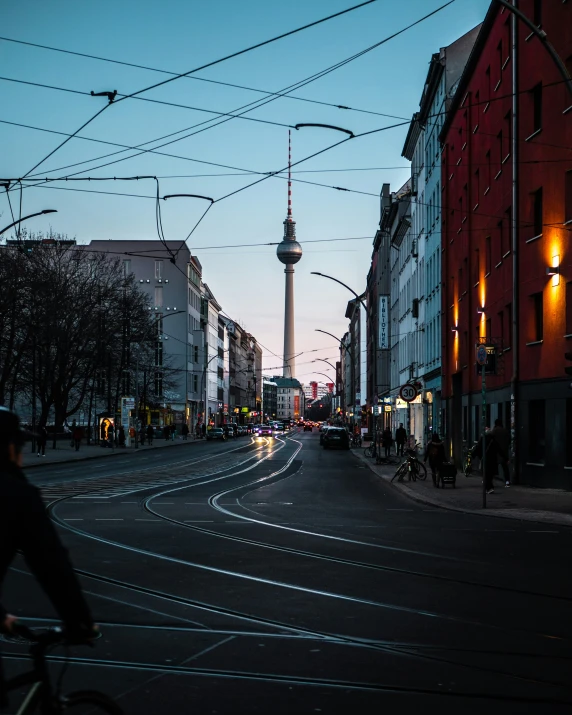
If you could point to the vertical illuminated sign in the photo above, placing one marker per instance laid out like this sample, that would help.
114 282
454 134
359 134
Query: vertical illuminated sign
383 324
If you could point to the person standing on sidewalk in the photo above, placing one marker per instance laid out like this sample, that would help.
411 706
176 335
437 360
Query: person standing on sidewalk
435 453
150 435
41 439
400 439
488 455
502 440
142 435
386 440
185 431
77 434
204 429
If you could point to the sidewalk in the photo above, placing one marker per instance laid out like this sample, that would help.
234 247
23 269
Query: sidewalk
549 506
65 453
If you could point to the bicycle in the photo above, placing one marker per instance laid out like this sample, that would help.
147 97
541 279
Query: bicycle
370 451
356 440
42 697
468 460
411 467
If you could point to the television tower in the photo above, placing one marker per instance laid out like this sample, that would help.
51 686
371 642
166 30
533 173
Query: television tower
289 252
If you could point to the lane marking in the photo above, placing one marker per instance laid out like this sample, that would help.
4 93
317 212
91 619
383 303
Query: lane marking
109 520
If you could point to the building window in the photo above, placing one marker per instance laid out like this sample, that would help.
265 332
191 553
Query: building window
537 108
509 325
537 13
500 61
196 353
488 168
536 430
159 296
126 268
488 329
477 267
158 384
489 88
158 270
195 383
568 196
500 148
500 317
537 212
537 315
507 134
477 187
487 255
569 308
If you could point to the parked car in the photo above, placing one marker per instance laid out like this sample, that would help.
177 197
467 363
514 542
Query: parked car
216 433
323 431
336 437
228 431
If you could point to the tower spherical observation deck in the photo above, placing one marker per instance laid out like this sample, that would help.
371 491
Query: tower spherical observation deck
289 251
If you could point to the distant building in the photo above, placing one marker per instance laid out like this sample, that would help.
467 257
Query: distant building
290 398
269 400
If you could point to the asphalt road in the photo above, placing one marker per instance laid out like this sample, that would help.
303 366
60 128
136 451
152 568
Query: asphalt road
277 577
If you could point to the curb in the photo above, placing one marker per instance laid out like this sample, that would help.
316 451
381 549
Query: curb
116 452
551 517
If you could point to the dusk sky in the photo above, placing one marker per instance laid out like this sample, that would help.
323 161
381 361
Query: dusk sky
179 36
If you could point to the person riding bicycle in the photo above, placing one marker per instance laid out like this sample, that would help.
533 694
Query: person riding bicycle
26 527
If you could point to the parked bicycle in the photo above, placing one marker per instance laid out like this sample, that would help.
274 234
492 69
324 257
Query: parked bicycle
356 440
411 467
370 451
42 697
468 459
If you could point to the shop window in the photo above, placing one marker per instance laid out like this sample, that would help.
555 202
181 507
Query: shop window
569 308
536 430
569 432
568 197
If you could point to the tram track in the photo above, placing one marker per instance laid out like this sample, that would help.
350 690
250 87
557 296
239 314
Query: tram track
399 649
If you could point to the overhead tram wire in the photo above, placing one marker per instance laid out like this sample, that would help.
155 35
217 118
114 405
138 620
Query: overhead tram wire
111 96
201 79
292 88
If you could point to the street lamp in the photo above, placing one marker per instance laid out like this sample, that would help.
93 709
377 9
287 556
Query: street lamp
373 333
351 357
25 218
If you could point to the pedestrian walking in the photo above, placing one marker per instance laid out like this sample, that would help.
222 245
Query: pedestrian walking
77 434
173 430
204 429
386 441
110 435
400 439
121 436
502 439
72 432
488 456
41 440
166 432
150 435
185 431
142 435
435 453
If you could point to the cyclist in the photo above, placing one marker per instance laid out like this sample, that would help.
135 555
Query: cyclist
26 526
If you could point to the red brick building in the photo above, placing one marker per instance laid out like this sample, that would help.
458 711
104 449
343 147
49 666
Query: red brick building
511 118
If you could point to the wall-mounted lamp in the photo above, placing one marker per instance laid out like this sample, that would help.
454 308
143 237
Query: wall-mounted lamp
455 329
481 310
554 270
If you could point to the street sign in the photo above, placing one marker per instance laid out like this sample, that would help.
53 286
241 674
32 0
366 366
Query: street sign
482 354
408 392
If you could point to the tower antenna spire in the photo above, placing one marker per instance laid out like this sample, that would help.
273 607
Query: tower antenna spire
289 174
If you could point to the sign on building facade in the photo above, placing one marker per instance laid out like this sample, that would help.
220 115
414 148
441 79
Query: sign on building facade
383 326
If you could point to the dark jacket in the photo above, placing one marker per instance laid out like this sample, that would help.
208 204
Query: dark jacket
185 429
491 460
502 440
386 438
435 453
25 526
400 435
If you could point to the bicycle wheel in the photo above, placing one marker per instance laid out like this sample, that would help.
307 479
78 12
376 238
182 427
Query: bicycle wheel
89 701
420 470
368 451
401 472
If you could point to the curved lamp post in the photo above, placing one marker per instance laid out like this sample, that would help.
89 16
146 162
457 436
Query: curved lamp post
373 332
25 218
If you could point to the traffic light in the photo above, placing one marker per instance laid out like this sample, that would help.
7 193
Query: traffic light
568 369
